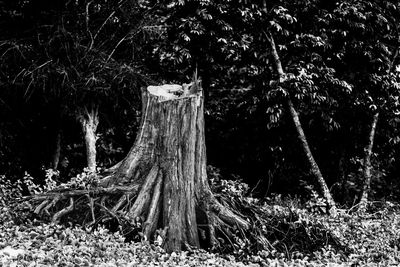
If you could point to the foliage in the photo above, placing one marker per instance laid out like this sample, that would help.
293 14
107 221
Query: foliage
8 193
54 245
275 229
296 237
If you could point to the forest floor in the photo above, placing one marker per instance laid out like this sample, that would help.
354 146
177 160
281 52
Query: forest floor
372 239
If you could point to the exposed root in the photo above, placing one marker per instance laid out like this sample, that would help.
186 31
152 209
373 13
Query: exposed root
120 203
50 205
91 205
86 201
143 199
56 218
112 214
152 218
64 193
41 206
228 215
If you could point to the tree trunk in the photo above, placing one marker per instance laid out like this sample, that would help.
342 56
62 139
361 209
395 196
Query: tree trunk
57 150
89 121
314 168
367 165
166 169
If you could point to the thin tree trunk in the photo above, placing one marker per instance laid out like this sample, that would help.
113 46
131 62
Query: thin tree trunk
57 150
89 121
342 177
367 165
314 168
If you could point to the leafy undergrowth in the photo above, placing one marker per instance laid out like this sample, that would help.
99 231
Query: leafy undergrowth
283 233
374 239
299 236
303 233
54 245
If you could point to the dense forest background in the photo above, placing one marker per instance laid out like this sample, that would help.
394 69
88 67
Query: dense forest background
301 112
65 63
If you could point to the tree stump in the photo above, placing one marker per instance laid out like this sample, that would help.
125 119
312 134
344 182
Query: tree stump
163 181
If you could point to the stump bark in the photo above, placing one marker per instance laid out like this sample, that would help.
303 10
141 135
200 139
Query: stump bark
162 182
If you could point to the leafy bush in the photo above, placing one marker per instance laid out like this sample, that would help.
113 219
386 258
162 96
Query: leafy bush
8 193
278 228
